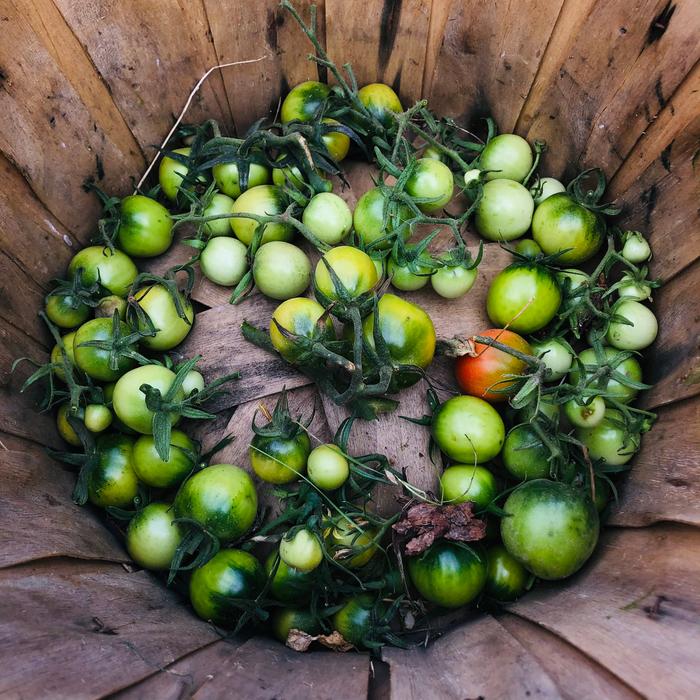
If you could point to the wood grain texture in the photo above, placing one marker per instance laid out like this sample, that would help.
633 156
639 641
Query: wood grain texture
385 41
57 111
38 519
664 483
487 58
608 612
479 659
79 630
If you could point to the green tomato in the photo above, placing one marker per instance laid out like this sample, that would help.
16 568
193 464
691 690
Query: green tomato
172 172
527 248
468 430
284 620
221 498
94 361
262 200
114 270
404 279
504 211
508 157
194 381
304 102
224 261
109 304
228 179
356 620
562 224
550 528
354 545
524 297
57 355
145 227
288 585
328 217
448 574
66 311
603 493
545 187
65 429
157 472
453 281
368 219
432 180
298 316
218 588
337 143
629 368
327 467
640 334
355 269
462 482
585 415
113 482
506 577
636 248
97 417
152 537
220 204
381 102
278 460
171 330
129 402
556 357
633 290
607 439
524 455
281 270
302 551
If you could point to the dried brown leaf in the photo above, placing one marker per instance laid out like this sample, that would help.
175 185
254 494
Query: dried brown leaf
301 641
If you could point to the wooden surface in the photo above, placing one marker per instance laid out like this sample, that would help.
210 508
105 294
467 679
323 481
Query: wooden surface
86 90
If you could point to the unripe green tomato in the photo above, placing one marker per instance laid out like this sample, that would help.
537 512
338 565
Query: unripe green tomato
405 279
527 248
368 219
463 482
153 470
636 248
454 281
194 381
471 176
641 334
633 290
508 157
57 355
524 454
349 535
355 269
505 210
172 172
97 417
108 305
171 330
224 261
152 537
328 217
304 101
381 101
337 143
284 620
431 179
586 415
220 204
434 153
327 467
228 181
263 200
556 357
65 429
66 311
302 551
545 187
506 577
281 270
608 440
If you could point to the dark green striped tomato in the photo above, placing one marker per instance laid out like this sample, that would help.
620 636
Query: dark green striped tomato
298 316
368 219
113 481
506 577
152 537
66 310
284 620
356 620
145 227
288 585
277 460
304 102
153 470
381 102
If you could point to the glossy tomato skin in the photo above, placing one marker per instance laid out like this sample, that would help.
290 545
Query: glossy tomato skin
277 460
222 498
304 101
551 528
525 297
145 227
228 180
171 173
431 179
408 332
464 482
405 279
302 550
327 467
556 357
95 361
171 330
452 282
129 402
281 270
284 620
484 375
288 585
507 156
381 101
468 429
448 574
506 577
524 455
65 429
328 217
355 620
346 535
355 269
262 200
216 588
153 470
114 269
113 481
607 440
300 317
97 417
337 143
629 368
152 537
368 219
504 212
224 261
219 204
560 223
66 311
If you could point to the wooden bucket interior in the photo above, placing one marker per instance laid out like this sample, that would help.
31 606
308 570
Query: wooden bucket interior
88 88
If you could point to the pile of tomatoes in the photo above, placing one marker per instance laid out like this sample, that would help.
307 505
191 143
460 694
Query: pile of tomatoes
542 423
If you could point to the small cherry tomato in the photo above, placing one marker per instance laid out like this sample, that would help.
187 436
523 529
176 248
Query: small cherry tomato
152 537
327 467
302 551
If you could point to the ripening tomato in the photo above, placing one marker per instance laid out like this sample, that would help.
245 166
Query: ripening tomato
304 101
263 200
354 268
298 316
381 102
228 179
288 585
337 143
159 305
113 481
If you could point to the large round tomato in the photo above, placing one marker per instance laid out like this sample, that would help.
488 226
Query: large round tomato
468 430
288 585
637 331
224 261
228 179
145 227
298 316
281 270
486 374
524 297
129 401
354 268
562 224
152 537
368 219
263 200
304 101
154 471
505 211
171 329
524 454
229 578
508 157
279 460
448 574
114 270
464 482
506 577
549 527
221 498
95 361
431 179
328 217
112 481
611 388
381 102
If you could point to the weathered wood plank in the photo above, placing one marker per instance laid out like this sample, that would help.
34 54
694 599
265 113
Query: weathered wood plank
78 630
57 111
264 669
640 587
150 72
384 41
664 483
488 58
38 518
479 659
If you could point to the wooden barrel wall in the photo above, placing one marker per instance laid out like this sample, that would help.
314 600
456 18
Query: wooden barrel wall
87 89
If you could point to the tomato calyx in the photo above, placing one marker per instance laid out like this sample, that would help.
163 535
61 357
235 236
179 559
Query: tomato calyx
280 423
75 293
587 188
